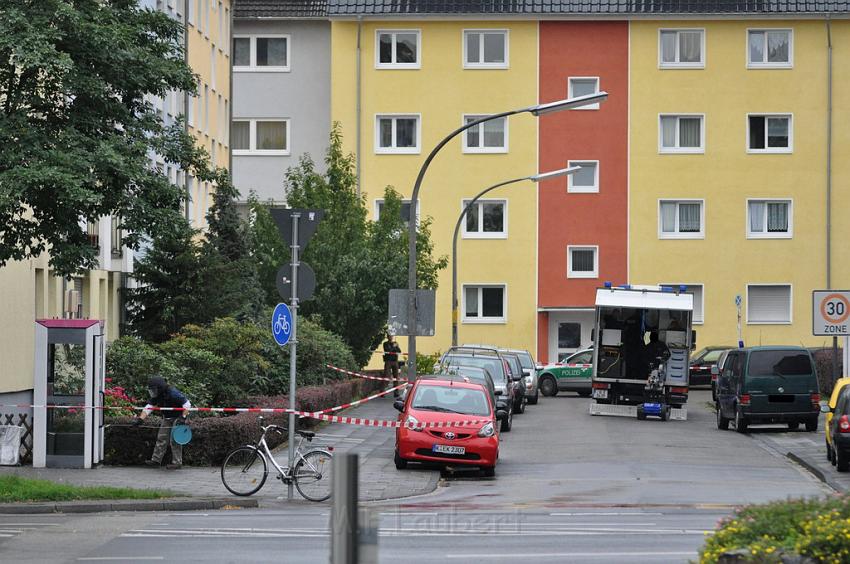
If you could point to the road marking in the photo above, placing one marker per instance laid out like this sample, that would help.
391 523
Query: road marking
107 558
571 554
607 514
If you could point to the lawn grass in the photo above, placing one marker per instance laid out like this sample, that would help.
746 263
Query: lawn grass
17 489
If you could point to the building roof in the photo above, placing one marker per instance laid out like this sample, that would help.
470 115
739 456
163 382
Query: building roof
578 7
280 9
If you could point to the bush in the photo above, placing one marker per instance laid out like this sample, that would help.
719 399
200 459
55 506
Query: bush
213 437
813 528
823 365
227 361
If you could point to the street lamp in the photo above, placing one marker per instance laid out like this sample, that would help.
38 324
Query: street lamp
535 178
537 110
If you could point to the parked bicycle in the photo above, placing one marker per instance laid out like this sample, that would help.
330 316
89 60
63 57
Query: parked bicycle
245 469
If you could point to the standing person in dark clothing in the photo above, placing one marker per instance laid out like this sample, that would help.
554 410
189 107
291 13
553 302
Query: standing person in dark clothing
391 352
161 394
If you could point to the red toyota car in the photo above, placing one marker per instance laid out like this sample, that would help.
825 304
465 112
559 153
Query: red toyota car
442 399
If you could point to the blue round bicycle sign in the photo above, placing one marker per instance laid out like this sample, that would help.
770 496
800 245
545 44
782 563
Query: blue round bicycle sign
281 324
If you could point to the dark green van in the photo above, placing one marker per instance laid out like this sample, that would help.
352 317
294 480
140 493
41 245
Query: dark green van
768 385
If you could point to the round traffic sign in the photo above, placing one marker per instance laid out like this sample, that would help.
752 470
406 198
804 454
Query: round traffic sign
281 324
835 308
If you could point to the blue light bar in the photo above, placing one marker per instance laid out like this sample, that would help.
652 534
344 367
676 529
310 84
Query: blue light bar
668 289
607 284
626 286
683 288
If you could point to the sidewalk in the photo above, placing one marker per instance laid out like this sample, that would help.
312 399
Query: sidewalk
379 480
808 450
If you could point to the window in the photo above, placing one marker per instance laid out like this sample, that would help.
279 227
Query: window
583 86
569 336
404 212
769 303
681 134
484 303
261 137
681 48
682 219
486 219
769 48
261 53
769 133
582 262
585 179
486 49
397 134
488 137
697 291
397 49
768 219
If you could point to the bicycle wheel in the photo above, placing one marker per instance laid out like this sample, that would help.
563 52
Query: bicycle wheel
244 471
312 475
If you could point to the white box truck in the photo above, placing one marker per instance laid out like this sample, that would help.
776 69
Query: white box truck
642 343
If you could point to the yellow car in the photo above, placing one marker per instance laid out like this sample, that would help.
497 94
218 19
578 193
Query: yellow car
839 385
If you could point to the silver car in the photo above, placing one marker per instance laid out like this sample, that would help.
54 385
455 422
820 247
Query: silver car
529 370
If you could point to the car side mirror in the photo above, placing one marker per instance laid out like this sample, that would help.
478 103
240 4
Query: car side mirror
497 392
526 371
501 414
399 404
824 408
539 367
516 377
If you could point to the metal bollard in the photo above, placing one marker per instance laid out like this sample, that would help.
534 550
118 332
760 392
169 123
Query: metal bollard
344 511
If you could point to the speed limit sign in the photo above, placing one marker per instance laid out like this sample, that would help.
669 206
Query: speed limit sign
831 312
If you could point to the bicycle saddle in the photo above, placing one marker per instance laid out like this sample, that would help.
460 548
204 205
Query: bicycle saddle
306 434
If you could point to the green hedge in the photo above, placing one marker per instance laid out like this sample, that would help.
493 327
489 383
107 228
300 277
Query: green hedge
817 528
227 361
213 437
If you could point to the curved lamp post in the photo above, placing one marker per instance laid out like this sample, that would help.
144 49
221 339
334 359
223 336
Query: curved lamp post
534 178
537 110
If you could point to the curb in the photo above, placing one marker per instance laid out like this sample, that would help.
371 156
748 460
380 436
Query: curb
815 471
127 505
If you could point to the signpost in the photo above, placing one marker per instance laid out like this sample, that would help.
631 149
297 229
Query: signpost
831 317
296 226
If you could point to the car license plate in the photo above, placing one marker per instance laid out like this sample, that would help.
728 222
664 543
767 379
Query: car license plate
448 449
600 394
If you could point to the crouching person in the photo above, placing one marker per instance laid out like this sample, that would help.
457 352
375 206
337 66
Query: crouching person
161 394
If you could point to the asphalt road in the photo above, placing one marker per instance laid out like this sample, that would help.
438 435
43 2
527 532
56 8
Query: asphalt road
569 488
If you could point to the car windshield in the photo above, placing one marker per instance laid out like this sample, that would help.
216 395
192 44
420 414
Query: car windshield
491 363
712 356
525 360
782 363
451 399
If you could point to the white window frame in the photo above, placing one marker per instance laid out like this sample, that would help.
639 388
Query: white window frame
484 150
571 95
397 66
677 234
768 235
677 65
397 150
771 150
482 65
252 67
790 304
583 189
376 212
765 64
582 274
252 139
485 320
702 297
681 150
503 234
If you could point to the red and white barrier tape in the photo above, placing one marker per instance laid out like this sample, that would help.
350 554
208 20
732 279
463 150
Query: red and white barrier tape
361 375
358 402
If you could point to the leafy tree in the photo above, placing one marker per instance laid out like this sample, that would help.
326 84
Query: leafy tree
356 261
77 129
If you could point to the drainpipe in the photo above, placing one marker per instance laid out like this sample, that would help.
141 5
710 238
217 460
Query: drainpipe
227 114
835 374
357 109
